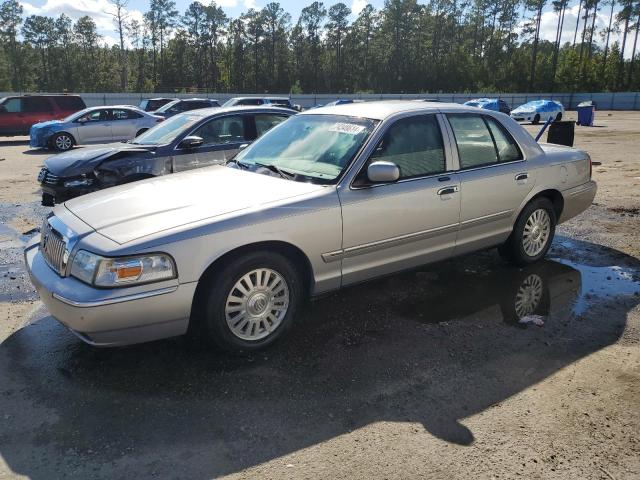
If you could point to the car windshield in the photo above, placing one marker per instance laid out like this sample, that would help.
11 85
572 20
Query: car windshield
76 115
167 131
167 106
316 147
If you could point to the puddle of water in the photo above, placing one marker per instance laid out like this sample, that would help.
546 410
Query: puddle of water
600 282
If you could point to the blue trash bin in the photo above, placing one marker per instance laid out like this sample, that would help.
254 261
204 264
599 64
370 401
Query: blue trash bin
586 114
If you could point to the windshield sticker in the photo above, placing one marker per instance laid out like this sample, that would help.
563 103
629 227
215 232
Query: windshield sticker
348 128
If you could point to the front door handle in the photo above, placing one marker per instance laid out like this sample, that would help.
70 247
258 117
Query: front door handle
522 176
448 190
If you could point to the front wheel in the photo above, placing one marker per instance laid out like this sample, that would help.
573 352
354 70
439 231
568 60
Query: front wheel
62 142
252 301
532 233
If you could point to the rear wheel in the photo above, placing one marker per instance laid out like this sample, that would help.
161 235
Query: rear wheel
532 233
536 119
251 302
558 117
62 142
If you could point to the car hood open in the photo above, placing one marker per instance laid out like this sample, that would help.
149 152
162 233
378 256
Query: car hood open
139 209
81 160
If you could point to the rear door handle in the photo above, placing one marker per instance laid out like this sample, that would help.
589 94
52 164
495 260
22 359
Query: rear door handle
448 190
522 176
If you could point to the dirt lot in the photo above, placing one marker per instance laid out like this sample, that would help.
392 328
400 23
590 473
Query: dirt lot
426 374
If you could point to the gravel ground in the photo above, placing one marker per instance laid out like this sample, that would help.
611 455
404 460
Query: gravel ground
426 374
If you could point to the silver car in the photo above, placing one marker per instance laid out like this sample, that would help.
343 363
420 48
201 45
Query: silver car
92 125
326 199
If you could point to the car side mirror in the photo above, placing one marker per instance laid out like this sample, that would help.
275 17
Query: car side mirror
243 146
191 141
383 172
81 120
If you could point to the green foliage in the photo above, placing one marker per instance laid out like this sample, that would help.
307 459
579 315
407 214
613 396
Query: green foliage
406 46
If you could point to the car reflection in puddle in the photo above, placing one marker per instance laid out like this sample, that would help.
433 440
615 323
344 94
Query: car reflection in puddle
540 290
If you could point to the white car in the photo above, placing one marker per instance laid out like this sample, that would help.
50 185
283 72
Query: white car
92 125
538 110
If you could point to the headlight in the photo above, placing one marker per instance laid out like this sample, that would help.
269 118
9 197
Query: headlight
79 182
115 272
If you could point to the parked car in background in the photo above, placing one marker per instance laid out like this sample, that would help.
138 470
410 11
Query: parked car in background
324 200
538 110
153 104
189 140
92 125
494 104
282 102
19 113
184 105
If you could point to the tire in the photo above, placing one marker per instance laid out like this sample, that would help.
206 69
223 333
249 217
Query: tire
532 233
141 131
62 142
237 321
536 119
558 117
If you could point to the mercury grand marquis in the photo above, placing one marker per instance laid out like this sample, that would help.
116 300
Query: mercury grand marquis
328 198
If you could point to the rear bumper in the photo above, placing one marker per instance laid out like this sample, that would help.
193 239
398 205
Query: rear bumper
111 317
577 200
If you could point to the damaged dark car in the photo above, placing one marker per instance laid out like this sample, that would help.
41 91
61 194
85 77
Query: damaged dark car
186 141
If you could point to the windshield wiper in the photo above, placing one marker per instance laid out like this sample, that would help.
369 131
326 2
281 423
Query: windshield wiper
284 174
243 166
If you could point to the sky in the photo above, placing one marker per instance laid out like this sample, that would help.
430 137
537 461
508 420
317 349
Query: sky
98 10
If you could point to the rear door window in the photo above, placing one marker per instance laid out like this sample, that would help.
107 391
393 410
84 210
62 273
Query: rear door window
122 114
69 104
481 141
36 104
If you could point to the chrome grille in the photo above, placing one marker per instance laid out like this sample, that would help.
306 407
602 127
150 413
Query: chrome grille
48 178
53 248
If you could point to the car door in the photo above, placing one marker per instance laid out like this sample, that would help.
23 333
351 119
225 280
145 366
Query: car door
222 138
494 180
393 226
12 116
37 109
95 127
124 124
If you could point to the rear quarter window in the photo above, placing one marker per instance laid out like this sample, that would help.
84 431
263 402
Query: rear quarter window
36 104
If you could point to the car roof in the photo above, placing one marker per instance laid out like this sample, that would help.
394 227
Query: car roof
205 112
259 98
130 107
196 98
161 98
379 110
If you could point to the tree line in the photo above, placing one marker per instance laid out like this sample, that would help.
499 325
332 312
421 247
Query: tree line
440 46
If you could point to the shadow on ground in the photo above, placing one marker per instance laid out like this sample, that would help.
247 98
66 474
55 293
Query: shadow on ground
432 346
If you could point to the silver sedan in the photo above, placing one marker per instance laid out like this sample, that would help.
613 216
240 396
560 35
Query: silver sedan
328 198
92 125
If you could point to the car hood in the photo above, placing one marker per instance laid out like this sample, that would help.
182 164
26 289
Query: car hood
139 209
47 124
83 160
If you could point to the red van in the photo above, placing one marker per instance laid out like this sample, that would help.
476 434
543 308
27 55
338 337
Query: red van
19 113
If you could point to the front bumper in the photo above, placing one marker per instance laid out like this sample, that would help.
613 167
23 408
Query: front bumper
112 317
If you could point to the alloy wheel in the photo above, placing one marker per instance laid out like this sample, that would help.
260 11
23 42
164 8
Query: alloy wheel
257 304
63 142
536 233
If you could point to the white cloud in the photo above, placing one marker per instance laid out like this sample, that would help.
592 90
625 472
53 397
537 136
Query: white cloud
357 6
549 24
99 10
